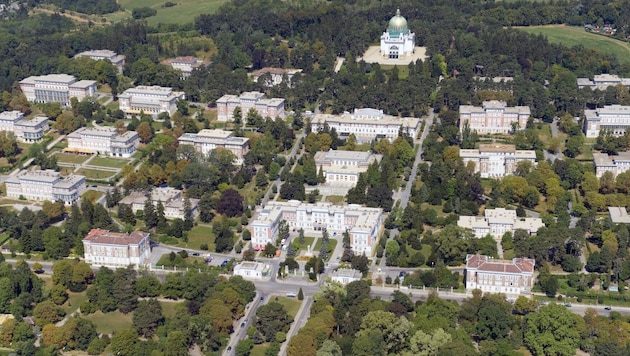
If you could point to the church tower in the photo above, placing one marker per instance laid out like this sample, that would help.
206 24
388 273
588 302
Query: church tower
397 42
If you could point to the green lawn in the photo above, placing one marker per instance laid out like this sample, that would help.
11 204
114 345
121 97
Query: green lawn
308 241
170 309
184 12
201 234
110 322
332 243
109 162
74 301
292 305
95 173
336 199
71 158
259 350
573 36
93 195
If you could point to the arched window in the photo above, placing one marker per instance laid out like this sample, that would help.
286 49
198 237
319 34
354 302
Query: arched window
393 52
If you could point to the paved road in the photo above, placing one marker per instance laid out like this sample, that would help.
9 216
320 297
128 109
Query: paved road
300 320
554 133
405 195
241 325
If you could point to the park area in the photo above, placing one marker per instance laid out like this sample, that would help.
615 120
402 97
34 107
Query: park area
109 162
571 36
181 11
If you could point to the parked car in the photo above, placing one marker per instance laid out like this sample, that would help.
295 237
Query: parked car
402 274
291 295
608 307
229 348
568 305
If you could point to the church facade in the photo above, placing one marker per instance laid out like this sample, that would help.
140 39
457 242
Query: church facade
397 42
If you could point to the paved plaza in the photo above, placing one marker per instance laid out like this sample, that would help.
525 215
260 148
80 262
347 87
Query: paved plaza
373 55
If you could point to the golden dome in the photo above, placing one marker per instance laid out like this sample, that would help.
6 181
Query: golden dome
398 23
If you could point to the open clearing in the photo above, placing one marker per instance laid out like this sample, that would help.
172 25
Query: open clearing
183 12
571 36
109 162
110 322
95 173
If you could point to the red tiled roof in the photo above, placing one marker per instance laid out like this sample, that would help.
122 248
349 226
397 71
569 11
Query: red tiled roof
485 263
101 236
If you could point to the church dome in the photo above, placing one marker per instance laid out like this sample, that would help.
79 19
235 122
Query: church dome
397 25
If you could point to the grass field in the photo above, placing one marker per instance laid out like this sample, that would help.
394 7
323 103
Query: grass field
292 305
109 162
308 241
71 158
182 13
110 322
336 199
573 36
93 195
95 173
169 309
74 302
200 234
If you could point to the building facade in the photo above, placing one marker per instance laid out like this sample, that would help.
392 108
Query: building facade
274 76
497 222
150 100
28 131
251 270
616 164
103 140
172 200
602 82
345 276
499 276
207 140
618 215
56 88
363 224
116 59
496 160
493 117
273 108
116 249
342 168
397 42
186 64
614 118
367 124
45 185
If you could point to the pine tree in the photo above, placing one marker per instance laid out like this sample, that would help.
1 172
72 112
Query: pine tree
150 217
162 224
300 295
320 175
301 237
189 219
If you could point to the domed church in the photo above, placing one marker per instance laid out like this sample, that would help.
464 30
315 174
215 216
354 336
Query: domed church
397 42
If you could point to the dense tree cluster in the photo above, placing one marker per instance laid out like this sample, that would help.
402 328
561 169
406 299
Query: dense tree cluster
344 320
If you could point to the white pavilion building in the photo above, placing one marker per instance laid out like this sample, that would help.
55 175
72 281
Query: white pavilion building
397 42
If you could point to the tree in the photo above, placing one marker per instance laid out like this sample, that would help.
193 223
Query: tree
148 317
176 344
553 330
423 344
205 207
230 203
392 330
55 243
329 348
124 343
272 318
300 295
47 312
493 320
124 292
145 132
244 347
